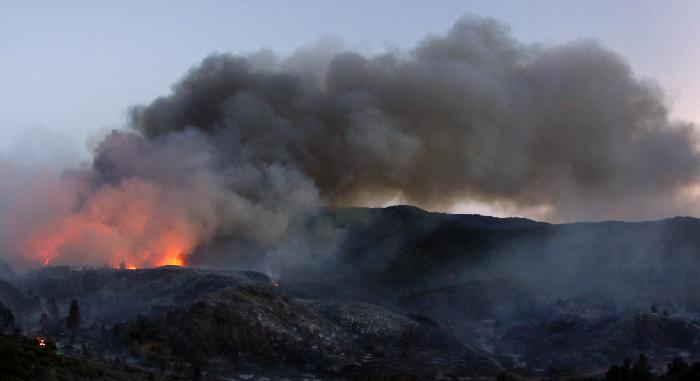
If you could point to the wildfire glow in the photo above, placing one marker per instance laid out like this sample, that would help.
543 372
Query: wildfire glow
136 224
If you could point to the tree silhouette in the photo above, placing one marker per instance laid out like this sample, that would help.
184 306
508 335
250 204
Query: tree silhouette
642 369
44 323
677 367
73 319
53 311
7 320
626 370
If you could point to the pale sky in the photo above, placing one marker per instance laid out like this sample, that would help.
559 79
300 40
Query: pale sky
71 68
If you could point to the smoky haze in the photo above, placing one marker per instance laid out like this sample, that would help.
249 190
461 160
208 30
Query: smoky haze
244 145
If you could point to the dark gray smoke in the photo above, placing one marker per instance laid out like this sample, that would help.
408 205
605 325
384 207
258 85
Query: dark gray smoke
246 145
472 115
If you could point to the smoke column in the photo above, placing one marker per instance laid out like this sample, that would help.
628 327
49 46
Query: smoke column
245 144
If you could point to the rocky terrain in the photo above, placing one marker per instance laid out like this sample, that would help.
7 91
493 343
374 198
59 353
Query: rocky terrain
202 324
407 295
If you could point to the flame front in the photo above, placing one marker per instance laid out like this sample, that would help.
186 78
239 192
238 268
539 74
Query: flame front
136 224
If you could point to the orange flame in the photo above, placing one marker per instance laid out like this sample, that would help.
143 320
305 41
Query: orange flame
137 224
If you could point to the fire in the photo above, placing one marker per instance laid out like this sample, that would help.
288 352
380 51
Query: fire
66 242
136 224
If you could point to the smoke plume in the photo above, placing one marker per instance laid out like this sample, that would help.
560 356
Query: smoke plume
474 114
246 144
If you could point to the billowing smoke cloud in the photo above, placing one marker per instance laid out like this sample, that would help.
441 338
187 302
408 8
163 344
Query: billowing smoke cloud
152 202
246 144
471 115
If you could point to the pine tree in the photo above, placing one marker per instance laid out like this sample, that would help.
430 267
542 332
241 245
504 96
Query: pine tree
44 323
7 321
626 370
642 369
677 367
53 311
73 319
614 373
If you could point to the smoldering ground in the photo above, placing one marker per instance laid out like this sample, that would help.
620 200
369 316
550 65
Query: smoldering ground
245 145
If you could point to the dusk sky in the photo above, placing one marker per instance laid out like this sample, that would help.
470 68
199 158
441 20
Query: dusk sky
73 68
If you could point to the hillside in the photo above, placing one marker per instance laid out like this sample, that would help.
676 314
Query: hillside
405 293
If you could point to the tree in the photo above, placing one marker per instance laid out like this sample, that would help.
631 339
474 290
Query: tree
53 311
614 373
620 372
642 369
626 369
44 323
677 367
7 320
54 318
73 319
